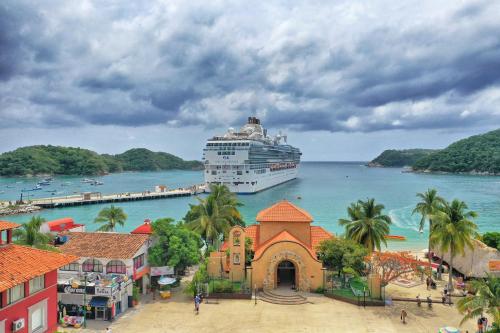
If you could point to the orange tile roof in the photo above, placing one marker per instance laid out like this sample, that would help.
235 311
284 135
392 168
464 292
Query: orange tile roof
318 234
103 244
145 228
5 225
283 236
284 211
19 264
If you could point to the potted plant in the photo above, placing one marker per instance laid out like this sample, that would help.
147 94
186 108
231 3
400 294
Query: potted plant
135 295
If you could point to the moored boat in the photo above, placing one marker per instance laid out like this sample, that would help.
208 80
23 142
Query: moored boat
395 237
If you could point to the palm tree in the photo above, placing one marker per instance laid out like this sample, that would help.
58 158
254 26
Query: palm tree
29 234
111 217
225 197
453 230
486 299
366 224
211 219
430 203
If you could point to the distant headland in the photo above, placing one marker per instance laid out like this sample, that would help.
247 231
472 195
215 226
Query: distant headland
57 160
478 154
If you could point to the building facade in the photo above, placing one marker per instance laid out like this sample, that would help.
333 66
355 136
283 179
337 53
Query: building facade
284 246
101 282
28 285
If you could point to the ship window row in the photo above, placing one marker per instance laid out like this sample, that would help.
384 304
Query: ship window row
225 153
218 144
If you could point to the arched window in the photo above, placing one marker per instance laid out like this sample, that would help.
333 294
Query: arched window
92 265
116 266
236 238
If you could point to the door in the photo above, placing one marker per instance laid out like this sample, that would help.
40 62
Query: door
100 313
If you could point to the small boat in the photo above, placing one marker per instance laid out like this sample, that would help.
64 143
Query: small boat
87 180
95 183
44 183
10 186
395 237
36 188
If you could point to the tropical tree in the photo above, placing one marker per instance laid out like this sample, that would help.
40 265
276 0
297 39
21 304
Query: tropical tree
340 254
429 204
367 225
453 230
486 299
175 245
392 265
29 234
110 218
215 215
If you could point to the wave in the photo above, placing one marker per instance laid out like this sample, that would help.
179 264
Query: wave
402 218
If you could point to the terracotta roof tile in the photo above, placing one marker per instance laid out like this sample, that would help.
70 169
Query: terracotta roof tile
19 264
5 225
318 234
145 228
103 244
284 211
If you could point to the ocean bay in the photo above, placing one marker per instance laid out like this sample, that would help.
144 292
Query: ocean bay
325 190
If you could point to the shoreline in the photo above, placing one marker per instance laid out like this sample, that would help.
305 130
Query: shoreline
406 169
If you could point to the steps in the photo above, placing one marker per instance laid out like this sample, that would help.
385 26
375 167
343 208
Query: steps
290 298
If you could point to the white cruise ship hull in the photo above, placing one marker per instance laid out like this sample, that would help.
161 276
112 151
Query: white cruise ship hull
254 183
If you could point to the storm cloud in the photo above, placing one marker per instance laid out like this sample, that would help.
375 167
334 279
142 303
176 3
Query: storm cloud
303 65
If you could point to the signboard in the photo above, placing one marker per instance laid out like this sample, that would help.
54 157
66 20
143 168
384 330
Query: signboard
162 270
494 265
68 289
103 291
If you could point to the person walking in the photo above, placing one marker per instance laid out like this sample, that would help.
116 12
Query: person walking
403 315
197 301
108 330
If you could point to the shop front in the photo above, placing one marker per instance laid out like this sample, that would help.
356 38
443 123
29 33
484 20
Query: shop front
99 298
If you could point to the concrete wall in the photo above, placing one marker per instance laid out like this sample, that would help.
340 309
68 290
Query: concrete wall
300 230
474 262
20 309
308 270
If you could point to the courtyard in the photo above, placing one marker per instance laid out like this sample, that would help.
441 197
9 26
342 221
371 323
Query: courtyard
322 315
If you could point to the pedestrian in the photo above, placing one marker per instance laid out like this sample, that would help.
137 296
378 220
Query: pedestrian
485 324
197 301
480 325
108 330
428 282
403 316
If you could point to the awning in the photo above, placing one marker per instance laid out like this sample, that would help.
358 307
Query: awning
99 301
163 281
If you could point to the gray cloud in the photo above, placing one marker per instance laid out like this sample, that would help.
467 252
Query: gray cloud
305 66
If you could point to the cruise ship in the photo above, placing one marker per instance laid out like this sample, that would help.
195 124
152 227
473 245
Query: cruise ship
249 160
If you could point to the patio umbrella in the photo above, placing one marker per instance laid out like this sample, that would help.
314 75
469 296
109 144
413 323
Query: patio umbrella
164 281
449 329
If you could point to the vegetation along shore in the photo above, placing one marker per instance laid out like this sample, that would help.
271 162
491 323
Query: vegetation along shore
56 160
476 155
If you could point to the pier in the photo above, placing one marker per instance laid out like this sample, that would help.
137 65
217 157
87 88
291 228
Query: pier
92 198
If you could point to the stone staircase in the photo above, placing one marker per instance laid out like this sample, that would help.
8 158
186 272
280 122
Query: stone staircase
283 298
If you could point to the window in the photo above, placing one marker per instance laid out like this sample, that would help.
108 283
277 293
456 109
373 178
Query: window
15 293
37 317
92 265
116 266
236 258
74 266
236 238
139 261
37 284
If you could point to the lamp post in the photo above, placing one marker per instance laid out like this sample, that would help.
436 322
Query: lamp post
255 292
85 302
364 297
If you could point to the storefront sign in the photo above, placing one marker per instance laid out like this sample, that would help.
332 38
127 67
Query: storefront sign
68 289
103 291
162 270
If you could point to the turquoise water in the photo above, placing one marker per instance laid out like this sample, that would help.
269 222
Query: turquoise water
326 189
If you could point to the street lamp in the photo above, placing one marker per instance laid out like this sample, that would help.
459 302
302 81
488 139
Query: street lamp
85 301
255 292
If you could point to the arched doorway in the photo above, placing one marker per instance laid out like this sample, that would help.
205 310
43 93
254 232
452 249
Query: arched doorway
286 274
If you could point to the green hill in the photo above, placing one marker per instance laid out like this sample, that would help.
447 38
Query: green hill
399 158
476 154
57 160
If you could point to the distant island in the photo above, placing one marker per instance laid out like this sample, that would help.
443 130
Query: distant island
56 160
478 154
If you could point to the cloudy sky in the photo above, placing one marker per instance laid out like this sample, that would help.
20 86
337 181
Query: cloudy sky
344 79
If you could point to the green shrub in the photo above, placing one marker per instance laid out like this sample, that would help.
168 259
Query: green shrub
319 290
492 239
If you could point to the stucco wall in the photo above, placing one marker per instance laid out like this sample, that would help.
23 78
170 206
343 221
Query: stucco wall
300 230
308 269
